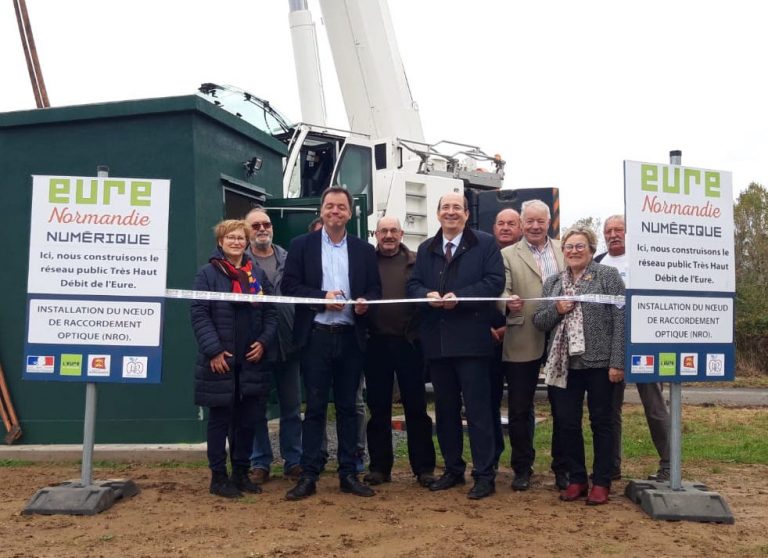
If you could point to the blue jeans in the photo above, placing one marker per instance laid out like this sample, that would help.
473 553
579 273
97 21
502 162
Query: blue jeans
330 360
286 380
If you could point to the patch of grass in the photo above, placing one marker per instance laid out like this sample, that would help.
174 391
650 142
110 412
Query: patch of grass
171 464
15 463
725 434
109 464
711 435
401 448
756 381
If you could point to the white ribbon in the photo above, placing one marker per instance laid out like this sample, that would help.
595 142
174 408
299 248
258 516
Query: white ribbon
616 300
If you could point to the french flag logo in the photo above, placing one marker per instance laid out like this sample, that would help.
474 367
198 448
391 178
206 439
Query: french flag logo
643 364
40 363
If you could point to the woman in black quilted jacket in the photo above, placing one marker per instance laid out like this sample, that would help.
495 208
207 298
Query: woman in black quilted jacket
232 374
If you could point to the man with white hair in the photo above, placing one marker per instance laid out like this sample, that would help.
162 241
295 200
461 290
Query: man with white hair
527 264
656 412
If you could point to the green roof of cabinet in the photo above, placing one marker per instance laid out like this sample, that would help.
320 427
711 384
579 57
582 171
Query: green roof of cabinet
119 109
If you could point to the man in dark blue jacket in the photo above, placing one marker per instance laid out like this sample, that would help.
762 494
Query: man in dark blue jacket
459 262
335 266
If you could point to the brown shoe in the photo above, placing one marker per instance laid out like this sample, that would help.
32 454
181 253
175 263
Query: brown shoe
259 476
597 496
294 473
574 491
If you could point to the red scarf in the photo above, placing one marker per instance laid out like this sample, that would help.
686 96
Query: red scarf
242 278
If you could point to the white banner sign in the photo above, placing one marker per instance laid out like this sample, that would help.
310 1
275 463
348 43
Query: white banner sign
98 236
679 228
666 319
95 242
94 322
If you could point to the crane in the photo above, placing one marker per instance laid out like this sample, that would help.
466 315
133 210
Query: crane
383 155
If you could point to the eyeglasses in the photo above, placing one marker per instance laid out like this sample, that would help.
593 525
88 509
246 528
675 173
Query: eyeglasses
393 230
580 247
233 238
266 226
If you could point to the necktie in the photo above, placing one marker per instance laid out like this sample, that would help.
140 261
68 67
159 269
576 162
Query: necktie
448 252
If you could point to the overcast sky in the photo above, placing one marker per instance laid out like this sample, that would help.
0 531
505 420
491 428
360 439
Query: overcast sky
564 90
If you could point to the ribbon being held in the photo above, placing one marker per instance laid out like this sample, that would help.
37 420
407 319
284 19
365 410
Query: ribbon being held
238 297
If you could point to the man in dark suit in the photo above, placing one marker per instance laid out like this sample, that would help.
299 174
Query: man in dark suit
459 262
333 265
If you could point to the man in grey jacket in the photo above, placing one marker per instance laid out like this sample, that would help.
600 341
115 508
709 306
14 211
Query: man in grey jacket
271 258
656 413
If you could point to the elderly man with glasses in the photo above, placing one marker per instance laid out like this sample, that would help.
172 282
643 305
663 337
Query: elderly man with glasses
271 259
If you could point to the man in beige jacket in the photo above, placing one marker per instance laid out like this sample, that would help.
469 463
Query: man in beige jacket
527 265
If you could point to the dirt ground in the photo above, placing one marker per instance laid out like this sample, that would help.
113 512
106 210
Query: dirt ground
174 515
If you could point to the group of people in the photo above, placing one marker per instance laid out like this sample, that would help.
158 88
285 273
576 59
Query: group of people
466 348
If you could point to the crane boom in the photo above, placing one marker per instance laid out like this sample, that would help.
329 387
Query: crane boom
307 61
370 70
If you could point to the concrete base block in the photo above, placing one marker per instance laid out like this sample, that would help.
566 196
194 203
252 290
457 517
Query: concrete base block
72 498
693 502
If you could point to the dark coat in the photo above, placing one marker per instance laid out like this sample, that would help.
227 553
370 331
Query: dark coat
303 277
476 270
213 323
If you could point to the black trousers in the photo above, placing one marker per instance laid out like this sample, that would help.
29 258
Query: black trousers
570 409
330 360
559 464
452 378
522 378
236 422
496 369
385 357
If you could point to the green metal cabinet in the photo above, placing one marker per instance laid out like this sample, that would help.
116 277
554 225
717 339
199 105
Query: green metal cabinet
202 150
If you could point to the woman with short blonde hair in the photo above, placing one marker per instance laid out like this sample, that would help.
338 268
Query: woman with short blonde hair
585 356
232 374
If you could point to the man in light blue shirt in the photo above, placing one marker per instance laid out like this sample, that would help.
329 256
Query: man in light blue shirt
331 265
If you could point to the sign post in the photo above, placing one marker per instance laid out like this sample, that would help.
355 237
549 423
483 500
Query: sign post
680 307
95 298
